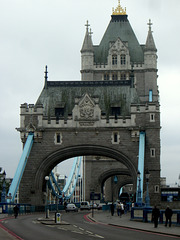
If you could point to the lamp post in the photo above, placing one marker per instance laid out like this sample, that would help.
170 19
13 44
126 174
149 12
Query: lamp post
57 175
114 179
3 194
139 199
47 210
147 198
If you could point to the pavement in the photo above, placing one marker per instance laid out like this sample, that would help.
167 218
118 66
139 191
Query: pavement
125 222
5 234
104 217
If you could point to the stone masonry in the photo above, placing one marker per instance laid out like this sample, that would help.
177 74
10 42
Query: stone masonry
99 117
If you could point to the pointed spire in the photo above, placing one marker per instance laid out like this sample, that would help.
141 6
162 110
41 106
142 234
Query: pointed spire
87 44
150 45
45 77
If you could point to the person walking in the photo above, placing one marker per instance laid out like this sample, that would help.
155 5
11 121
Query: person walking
155 216
112 209
16 211
118 207
168 215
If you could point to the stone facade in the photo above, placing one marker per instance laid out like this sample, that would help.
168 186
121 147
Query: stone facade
100 117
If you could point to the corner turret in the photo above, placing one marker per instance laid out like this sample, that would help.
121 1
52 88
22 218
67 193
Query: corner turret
87 56
150 50
150 65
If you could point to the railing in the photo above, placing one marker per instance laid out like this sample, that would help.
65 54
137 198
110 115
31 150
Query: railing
145 215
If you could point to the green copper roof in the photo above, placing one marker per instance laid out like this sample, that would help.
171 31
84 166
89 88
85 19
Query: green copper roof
110 93
119 27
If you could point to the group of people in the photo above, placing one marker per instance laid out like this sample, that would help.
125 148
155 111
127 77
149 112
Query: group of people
156 216
119 208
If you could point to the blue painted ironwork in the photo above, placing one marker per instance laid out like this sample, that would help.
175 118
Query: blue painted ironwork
21 166
141 163
139 196
150 96
71 183
55 183
56 193
72 179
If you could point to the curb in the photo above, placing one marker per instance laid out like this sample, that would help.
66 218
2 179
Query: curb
132 228
51 221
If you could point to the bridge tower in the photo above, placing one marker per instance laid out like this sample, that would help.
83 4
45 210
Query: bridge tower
101 117
120 57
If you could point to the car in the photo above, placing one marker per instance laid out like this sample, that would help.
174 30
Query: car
71 207
85 205
96 206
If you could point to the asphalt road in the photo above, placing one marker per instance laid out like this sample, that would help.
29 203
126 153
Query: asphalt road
28 228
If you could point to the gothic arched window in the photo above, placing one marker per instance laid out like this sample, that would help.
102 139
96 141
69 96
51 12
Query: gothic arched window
123 59
106 76
114 59
123 76
114 76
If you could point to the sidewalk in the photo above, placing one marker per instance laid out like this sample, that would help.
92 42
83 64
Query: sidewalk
124 221
4 235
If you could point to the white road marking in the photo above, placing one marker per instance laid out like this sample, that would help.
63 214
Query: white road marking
77 232
61 228
89 232
99 236
81 229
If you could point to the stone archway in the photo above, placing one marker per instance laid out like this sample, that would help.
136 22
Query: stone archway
123 176
58 156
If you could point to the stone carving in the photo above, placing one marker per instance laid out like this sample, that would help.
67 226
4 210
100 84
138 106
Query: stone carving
86 108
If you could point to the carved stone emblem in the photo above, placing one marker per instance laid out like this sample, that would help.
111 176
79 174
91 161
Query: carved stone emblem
86 108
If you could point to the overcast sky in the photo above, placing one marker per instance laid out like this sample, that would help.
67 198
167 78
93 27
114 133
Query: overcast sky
35 33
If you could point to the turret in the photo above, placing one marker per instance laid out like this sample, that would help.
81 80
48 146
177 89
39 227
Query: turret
150 56
87 56
150 66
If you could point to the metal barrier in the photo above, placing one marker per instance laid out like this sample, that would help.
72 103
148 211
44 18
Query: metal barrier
145 214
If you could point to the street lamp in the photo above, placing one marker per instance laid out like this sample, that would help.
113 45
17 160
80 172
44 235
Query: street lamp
3 194
47 212
57 175
139 199
147 198
113 180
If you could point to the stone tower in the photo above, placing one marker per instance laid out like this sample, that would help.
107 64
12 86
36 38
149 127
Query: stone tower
120 57
102 116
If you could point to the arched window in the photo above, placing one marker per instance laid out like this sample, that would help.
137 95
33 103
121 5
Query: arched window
114 59
114 76
123 76
106 76
123 59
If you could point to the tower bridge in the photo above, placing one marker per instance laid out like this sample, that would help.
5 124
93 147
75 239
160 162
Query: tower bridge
103 117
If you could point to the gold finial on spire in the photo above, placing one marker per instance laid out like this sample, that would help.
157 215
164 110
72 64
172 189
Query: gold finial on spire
119 10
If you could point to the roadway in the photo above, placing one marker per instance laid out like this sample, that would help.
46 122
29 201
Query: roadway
29 228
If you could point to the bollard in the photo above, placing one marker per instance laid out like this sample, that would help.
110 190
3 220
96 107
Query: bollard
57 217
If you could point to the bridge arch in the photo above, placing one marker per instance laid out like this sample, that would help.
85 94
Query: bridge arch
60 155
126 179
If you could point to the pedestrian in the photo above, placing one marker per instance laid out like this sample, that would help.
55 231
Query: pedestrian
121 209
16 211
155 216
112 209
118 207
168 215
65 205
